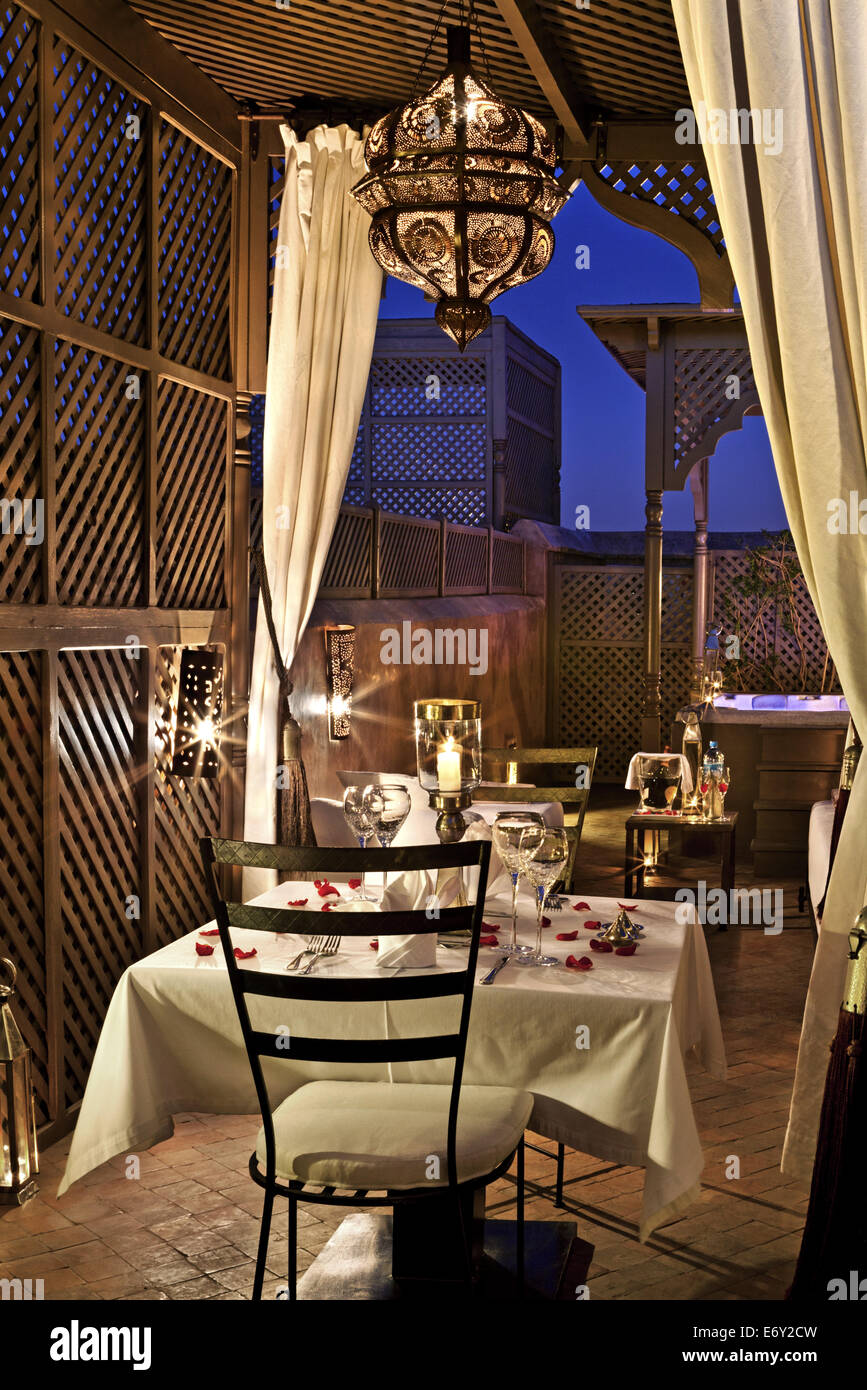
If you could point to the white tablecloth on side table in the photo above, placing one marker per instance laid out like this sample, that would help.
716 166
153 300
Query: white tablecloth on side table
171 1043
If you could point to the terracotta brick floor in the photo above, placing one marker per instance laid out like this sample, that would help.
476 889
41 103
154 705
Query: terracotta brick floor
186 1228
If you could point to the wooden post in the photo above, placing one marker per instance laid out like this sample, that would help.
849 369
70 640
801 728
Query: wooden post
650 727
498 506
698 481
441 557
375 528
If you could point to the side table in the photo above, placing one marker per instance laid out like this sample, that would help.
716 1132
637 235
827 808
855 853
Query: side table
723 832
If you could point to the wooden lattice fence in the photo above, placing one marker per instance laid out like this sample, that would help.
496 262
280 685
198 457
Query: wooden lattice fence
597 648
597 651
117 206
793 647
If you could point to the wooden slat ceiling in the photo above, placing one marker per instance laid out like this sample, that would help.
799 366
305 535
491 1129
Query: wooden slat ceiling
623 54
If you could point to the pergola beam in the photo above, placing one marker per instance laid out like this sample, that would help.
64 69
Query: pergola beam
542 56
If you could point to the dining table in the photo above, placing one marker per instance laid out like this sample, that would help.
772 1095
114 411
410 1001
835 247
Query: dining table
602 1049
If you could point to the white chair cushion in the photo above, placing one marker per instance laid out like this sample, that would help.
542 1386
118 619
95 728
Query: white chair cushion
376 1135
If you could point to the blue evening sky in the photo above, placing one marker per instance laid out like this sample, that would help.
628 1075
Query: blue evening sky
603 409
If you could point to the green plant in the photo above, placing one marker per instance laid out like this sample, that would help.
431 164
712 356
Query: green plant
765 597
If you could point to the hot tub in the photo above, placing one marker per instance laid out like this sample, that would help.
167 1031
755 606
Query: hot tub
785 753
779 704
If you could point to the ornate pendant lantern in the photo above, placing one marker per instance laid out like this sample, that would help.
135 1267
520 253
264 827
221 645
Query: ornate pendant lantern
461 189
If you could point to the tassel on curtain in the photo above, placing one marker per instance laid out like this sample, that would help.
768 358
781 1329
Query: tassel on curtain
835 1235
294 822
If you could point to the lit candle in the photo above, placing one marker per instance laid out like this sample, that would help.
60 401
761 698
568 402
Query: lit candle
449 767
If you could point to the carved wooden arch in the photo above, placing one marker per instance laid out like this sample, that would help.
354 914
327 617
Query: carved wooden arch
733 419
672 199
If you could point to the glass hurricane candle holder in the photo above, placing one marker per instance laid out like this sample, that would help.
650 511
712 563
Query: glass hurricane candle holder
448 742
659 781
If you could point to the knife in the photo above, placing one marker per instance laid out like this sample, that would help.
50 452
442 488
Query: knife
492 974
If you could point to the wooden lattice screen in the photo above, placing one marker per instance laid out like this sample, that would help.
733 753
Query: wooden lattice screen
116 425
598 656
597 651
795 651
425 440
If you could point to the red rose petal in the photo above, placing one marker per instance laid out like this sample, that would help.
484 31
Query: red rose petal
490 926
374 945
585 963
633 908
203 950
355 883
244 955
299 902
580 907
546 921
625 950
603 946
327 889
326 907
215 931
567 935
591 926
487 941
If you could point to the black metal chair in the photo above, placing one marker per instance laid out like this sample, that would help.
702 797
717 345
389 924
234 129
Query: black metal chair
312 1169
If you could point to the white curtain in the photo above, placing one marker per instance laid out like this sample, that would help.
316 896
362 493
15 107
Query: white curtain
326 300
795 225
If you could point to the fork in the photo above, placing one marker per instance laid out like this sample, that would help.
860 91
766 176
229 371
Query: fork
330 948
315 944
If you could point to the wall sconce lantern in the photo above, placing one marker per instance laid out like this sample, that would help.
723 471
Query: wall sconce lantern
19 1159
339 663
196 750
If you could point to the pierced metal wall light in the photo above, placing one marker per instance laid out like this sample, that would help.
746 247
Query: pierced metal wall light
339 664
196 747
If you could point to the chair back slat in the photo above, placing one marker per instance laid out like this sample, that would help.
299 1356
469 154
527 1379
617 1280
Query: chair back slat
282 1044
357 1050
309 921
430 985
570 796
310 858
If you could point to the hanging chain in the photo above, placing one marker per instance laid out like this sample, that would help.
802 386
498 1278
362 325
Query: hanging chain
466 16
474 19
430 44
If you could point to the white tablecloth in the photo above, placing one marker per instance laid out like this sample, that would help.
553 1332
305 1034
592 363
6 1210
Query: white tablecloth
171 1043
819 850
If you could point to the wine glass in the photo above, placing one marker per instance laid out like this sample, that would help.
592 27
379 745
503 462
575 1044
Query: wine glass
361 826
544 855
387 805
506 833
723 783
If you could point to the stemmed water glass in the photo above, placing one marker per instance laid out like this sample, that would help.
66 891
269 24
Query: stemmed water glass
387 805
506 833
361 826
544 855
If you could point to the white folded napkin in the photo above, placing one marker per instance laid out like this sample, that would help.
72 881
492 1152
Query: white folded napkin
631 782
409 892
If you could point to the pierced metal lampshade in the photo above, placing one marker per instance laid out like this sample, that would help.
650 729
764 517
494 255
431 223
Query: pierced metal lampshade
339 663
199 714
461 189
